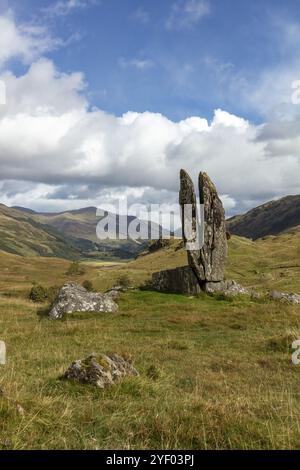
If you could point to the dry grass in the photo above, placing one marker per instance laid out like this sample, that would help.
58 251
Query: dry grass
214 374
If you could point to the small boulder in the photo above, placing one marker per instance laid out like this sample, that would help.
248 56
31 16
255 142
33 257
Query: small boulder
285 298
115 292
256 296
74 298
228 287
100 370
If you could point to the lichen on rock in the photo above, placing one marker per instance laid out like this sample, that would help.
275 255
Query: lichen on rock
74 298
100 370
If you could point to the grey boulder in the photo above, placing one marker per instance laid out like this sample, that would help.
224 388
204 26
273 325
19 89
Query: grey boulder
178 281
74 298
284 297
100 370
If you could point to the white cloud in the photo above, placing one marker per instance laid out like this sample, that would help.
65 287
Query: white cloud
65 7
55 149
139 64
52 141
228 202
185 14
25 42
140 15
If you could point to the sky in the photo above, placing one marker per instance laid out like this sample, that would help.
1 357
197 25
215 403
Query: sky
107 99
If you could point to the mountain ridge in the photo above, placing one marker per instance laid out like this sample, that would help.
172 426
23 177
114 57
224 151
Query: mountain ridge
75 229
270 218
72 233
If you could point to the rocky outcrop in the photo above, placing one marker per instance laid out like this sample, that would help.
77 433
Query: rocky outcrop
74 298
100 370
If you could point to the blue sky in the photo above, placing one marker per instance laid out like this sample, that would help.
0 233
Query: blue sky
113 97
145 55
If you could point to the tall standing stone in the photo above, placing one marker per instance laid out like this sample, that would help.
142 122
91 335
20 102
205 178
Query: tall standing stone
208 263
205 260
214 252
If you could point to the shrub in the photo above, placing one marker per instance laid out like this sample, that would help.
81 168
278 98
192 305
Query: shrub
52 293
153 372
75 269
88 285
124 281
147 285
38 293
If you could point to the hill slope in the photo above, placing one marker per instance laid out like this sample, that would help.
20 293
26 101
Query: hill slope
269 263
67 235
80 226
22 235
269 219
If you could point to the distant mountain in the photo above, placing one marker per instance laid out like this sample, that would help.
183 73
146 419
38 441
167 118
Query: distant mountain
78 230
80 224
271 218
23 209
22 235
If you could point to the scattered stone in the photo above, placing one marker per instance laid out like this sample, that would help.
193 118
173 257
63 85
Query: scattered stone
285 298
115 292
74 298
100 370
256 296
230 288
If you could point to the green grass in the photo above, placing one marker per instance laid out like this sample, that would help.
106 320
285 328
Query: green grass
214 373
220 382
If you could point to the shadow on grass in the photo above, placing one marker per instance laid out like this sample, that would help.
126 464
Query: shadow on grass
43 312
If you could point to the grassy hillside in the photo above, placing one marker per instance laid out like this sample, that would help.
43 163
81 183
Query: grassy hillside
75 224
215 374
82 223
79 227
269 263
20 234
67 235
271 218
